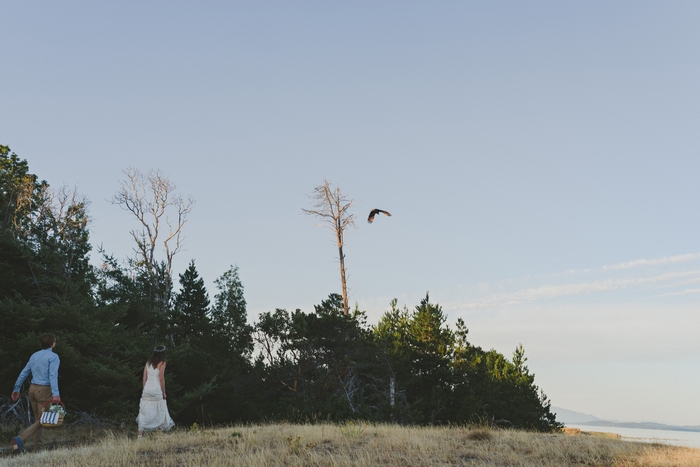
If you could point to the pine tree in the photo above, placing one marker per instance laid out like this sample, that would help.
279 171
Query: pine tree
190 321
229 315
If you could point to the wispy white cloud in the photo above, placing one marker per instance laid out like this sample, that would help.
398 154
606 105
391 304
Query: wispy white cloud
609 278
680 283
684 292
654 262
553 291
664 260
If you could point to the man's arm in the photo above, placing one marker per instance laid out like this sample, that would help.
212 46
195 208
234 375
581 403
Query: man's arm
53 377
18 385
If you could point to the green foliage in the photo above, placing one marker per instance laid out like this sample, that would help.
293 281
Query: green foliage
420 350
190 322
317 365
21 195
490 388
229 314
442 378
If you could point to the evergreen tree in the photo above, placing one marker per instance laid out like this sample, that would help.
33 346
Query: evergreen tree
22 204
190 320
431 351
229 315
194 365
442 378
489 388
319 364
420 349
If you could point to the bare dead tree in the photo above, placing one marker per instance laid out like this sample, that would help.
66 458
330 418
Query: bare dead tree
162 213
331 206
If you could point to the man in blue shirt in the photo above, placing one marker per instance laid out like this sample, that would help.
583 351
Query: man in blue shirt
43 365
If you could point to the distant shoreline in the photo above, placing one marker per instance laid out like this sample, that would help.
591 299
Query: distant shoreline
640 425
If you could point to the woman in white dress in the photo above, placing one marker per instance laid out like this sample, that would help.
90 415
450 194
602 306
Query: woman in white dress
153 410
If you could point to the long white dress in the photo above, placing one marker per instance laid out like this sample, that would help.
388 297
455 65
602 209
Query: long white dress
153 410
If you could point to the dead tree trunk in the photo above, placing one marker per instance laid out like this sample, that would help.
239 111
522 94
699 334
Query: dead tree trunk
331 206
343 282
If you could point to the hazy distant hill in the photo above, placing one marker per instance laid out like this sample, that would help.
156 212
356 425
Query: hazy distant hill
569 416
577 418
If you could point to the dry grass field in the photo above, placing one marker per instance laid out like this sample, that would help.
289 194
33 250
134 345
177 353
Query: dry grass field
356 445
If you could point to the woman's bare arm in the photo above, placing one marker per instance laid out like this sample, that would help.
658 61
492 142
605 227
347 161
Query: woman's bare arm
144 378
162 379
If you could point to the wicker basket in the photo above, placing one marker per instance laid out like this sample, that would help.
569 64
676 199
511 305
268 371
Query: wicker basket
51 419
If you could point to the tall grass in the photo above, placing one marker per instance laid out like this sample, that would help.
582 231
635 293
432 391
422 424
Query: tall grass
359 445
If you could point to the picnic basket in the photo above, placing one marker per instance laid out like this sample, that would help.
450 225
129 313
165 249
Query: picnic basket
54 415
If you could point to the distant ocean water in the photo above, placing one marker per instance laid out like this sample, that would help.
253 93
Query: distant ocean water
689 439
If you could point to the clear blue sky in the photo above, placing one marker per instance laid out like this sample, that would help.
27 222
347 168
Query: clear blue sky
540 160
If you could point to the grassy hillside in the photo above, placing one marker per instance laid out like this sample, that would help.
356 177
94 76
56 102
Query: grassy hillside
357 445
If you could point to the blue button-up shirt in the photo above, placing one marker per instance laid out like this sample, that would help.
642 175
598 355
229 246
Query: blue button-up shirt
43 365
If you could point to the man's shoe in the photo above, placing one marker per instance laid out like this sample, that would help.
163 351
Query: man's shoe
15 441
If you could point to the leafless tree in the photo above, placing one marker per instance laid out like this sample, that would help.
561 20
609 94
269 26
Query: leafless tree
331 206
162 213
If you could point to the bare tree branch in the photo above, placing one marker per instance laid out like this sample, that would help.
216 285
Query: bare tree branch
152 199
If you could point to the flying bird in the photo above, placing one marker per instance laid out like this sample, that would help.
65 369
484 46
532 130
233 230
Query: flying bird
374 212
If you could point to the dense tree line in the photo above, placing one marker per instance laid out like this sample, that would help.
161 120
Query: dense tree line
300 366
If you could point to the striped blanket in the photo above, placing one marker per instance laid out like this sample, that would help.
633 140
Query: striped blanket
49 418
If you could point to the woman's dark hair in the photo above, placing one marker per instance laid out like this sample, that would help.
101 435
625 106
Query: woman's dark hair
47 340
157 356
